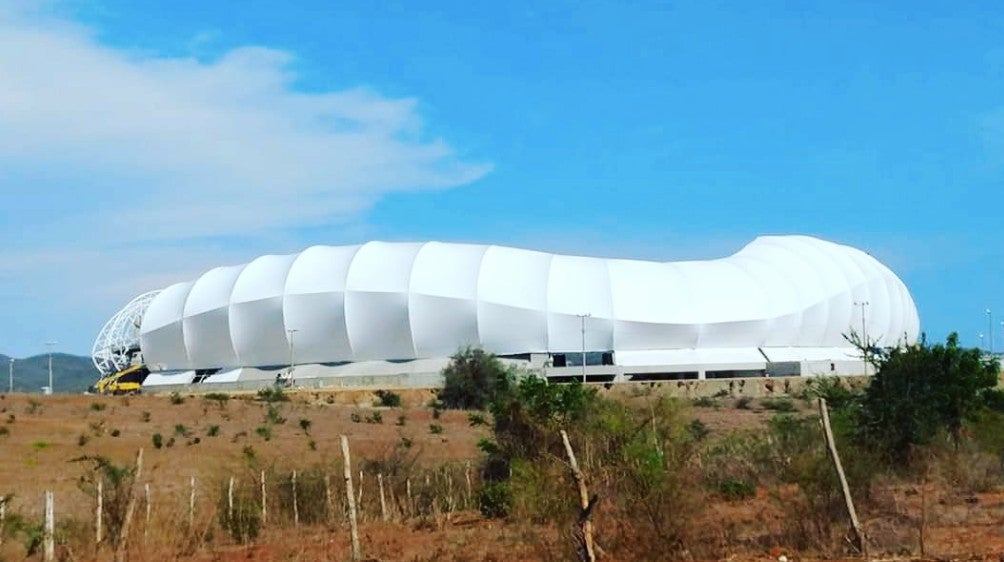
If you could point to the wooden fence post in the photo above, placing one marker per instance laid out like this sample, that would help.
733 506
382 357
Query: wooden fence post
359 498
296 508
264 500
191 505
146 523
97 512
383 503
356 555
123 543
411 502
230 502
467 476
328 504
848 502
587 551
3 517
48 532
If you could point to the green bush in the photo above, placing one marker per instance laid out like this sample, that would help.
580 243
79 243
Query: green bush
495 500
435 429
476 419
274 416
158 440
305 425
779 404
272 394
744 402
220 398
264 431
177 399
735 489
98 406
116 433
832 390
375 417
244 523
705 402
389 399
472 379
213 430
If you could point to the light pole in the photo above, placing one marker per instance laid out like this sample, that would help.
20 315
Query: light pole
11 376
290 332
864 335
49 345
990 332
981 341
582 321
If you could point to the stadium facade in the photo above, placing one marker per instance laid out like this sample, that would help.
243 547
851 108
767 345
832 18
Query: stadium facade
782 305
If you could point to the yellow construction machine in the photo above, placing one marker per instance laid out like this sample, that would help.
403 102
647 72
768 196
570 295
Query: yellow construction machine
126 381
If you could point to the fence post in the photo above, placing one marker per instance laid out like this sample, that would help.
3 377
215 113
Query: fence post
264 500
191 505
411 503
230 502
3 517
383 503
348 494
587 550
49 529
848 501
467 476
146 523
296 508
359 499
328 505
123 543
97 512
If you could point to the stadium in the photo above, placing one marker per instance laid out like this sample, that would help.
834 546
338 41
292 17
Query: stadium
392 314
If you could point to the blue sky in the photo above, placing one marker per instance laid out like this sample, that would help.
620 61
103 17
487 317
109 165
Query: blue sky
143 143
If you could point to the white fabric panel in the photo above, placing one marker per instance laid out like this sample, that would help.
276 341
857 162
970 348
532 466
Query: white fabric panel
443 298
157 379
512 300
161 336
579 286
233 375
207 319
314 304
405 301
376 301
688 357
257 325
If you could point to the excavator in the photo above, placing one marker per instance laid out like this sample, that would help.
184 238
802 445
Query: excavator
126 381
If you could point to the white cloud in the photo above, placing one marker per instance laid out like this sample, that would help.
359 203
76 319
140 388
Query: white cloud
104 150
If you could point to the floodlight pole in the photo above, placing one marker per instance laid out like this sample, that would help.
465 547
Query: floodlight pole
990 332
11 376
290 332
582 321
864 335
49 345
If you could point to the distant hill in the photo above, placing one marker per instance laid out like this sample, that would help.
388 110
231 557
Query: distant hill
70 373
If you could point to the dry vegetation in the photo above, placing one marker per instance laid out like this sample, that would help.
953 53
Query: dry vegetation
748 480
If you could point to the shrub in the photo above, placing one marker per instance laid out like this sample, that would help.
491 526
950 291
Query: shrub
476 419
220 398
698 429
82 440
170 442
177 399
355 417
779 404
117 484
305 425
389 399
272 394
744 402
180 430
116 433
158 440
4 431
244 523
375 417
735 489
274 416
34 406
213 430
264 431
832 390
705 402
435 429
472 379
495 499
401 420
145 417
98 406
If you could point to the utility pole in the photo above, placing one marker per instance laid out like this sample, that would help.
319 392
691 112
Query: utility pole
49 345
290 332
11 375
864 334
582 321
990 332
